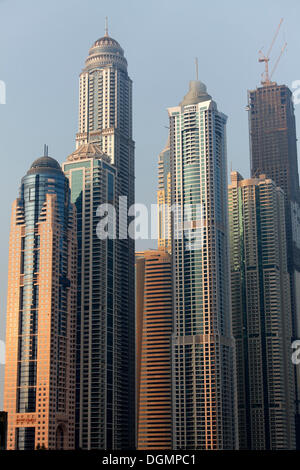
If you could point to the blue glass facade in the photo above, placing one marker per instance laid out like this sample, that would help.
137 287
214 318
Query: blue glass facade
34 187
39 381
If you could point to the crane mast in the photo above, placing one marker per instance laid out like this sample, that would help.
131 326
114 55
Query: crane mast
266 77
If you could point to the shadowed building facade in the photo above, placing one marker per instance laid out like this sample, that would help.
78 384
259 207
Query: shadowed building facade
204 398
273 151
273 142
39 391
153 344
3 430
261 313
92 181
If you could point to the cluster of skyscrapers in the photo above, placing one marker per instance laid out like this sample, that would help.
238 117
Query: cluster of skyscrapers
187 346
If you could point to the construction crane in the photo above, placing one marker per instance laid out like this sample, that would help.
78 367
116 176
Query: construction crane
276 63
266 58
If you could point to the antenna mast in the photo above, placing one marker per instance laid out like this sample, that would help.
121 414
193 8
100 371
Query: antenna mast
197 70
106 26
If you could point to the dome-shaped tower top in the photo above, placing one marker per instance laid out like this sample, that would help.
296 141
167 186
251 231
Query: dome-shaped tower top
45 164
196 94
106 51
106 43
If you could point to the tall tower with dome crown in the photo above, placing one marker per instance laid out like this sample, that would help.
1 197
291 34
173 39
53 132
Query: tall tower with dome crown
101 171
41 307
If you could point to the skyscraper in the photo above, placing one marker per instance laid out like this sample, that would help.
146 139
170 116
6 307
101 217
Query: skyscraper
41 305
273 142
105 120
154 330
164 199
261 313
92 182
204 406
273 150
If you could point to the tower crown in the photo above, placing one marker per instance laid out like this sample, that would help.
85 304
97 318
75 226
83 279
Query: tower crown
106 43
44 164
89 150
197 93
106 51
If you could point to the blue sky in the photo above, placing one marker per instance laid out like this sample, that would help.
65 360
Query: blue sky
43 46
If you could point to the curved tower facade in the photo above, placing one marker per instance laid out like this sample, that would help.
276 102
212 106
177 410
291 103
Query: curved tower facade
41 304
203 347
105 123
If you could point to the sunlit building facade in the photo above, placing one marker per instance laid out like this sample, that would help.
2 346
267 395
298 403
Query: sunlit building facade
153 344
106 410
164 199
204 398
39 392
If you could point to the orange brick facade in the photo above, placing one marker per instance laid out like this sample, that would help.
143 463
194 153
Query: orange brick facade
52 422
154 329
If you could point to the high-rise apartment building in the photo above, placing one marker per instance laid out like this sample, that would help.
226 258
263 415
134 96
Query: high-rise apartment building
204 398
92 181
164 199
273 150
273 143
261 314
41 312
153 336
105 121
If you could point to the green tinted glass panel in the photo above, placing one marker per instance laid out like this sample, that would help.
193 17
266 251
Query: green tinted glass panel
76 184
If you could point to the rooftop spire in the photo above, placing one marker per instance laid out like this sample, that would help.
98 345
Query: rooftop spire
197 69
45 150
106 26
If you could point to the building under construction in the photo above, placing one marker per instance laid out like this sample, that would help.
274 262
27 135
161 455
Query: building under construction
273 152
